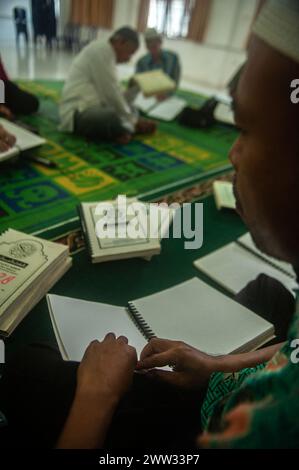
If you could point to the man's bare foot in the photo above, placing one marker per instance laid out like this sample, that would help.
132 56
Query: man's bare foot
145 126
124 139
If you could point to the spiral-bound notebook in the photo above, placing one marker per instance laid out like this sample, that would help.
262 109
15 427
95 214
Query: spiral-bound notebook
240 262
192 312
166 110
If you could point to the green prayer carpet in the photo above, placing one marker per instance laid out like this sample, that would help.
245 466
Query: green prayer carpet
34 198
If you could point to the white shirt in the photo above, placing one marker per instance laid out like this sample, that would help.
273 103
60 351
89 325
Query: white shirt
93 80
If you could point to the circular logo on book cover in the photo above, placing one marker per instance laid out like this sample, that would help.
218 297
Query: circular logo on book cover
22 250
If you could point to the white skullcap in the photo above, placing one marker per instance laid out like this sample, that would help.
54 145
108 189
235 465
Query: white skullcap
278 26
151 34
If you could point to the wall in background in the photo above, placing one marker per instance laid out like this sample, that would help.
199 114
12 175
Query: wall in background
229 23
65 11
213 62
125 13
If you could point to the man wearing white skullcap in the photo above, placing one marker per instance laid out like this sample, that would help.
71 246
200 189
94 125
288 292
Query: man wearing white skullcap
262 411
251 399
278 26
159 58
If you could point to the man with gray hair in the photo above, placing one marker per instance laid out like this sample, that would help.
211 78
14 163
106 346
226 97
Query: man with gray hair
93 104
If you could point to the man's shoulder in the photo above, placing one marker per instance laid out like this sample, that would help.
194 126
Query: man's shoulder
145 59
170 54
98 47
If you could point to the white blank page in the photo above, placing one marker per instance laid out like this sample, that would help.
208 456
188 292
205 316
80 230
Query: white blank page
78 322
168 109
247 240
143 103
233 267
202 317
25 140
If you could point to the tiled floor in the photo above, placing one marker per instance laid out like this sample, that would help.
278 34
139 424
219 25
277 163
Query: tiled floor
31 63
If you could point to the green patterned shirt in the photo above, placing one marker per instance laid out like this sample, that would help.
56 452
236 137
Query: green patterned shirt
257 407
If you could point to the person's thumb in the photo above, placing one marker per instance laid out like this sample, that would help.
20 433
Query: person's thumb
157 360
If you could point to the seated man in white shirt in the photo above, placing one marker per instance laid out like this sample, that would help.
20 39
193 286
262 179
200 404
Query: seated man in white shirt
93 104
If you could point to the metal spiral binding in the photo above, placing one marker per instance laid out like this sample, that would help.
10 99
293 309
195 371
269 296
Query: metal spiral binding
86 233
138 320
266 260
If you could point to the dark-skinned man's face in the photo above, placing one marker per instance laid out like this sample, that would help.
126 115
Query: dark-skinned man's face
154 48
266 154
